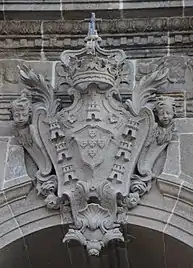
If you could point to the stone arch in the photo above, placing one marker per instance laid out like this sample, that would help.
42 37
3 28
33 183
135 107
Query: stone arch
161 224
147 248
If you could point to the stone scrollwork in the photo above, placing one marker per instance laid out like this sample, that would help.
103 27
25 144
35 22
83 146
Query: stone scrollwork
97 155
162 133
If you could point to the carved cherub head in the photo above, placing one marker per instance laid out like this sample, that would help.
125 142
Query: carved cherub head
21 109
164 110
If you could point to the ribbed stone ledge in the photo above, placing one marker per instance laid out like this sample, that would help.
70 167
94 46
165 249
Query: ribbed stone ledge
80 9
139 37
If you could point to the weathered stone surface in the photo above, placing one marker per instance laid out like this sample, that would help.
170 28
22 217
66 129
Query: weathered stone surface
40 224
9 79
187 186
44 67
65 9
3 160
15 189
177 69
184 211
183 237
172 163
6 128
186 153
29 209
184 125
189 107
9 74
8 226
10 84
25 11
36 215
186 222
15 165
180 100
10 237
153 205
6 213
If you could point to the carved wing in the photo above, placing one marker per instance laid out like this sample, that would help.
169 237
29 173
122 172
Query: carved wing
45 106
145 90
142 95
41 90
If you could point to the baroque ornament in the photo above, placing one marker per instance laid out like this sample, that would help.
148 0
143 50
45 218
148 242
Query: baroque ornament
97 155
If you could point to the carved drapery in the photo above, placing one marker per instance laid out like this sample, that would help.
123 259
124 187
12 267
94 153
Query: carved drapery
96 157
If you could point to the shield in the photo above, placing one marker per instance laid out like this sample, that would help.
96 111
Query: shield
98 139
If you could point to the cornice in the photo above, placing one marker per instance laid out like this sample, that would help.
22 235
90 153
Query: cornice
139 37
104 26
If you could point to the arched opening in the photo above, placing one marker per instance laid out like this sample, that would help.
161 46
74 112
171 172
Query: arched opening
147 248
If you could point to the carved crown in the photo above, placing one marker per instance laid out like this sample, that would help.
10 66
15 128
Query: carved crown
92 64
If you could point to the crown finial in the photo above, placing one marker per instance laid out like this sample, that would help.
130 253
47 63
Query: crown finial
92 30
92 64
92 36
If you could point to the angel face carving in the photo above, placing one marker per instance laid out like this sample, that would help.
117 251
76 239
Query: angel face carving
21 110
21 116
164 111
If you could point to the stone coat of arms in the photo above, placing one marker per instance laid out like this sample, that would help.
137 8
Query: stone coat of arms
97 154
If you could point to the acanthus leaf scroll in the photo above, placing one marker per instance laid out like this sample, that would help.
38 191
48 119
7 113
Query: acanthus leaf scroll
97 155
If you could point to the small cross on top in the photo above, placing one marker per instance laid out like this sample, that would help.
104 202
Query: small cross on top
92 29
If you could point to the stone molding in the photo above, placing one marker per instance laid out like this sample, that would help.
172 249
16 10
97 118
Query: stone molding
22 214
104 26
12 9
136 35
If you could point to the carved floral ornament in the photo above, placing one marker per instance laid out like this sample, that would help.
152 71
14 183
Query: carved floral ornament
95 158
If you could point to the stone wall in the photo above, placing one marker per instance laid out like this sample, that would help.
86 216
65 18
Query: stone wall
151 44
